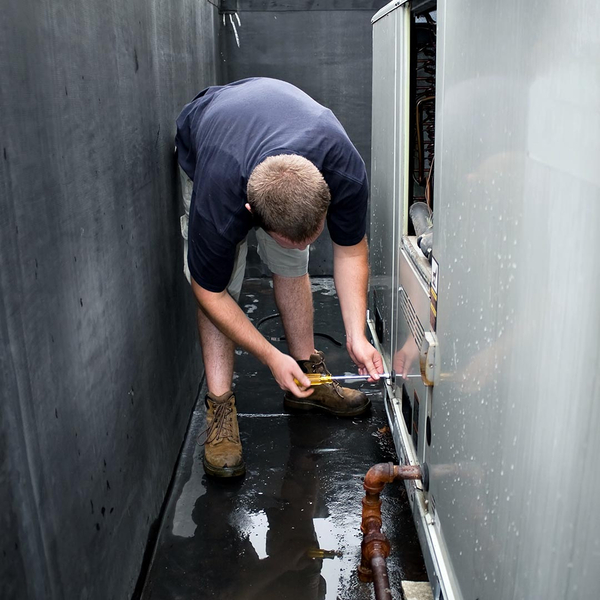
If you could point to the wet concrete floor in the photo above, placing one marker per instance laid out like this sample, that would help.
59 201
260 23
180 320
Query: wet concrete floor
290 529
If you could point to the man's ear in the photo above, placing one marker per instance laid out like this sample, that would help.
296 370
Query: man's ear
248 208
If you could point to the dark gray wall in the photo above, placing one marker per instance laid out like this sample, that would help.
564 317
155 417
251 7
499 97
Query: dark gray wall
99 361
321 46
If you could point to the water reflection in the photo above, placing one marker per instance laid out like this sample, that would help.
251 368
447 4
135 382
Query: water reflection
283 535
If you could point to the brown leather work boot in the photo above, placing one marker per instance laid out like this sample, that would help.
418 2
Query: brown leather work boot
332 397
222 445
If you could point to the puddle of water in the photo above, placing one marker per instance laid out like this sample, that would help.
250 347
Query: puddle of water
257 533
183 524
333 535
323 285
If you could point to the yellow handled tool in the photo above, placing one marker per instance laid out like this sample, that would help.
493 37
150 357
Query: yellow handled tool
323 378
320 553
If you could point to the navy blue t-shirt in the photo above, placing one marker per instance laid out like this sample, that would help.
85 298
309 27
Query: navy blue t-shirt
225 132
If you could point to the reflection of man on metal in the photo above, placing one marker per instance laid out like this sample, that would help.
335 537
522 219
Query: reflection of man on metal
261 153
406 358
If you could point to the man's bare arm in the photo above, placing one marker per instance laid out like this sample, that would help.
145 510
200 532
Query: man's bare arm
229 318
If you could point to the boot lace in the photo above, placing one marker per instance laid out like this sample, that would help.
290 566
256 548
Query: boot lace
221 427
320 367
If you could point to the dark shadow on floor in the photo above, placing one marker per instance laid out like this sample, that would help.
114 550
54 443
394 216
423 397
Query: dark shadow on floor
289 530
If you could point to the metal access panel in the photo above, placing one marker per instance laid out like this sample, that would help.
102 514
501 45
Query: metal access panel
514 459
514 411
388 166
399 304
412 327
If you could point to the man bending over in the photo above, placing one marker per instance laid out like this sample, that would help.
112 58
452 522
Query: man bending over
262 154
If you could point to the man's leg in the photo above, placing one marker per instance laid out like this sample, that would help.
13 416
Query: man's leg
222 446
218 353
293 297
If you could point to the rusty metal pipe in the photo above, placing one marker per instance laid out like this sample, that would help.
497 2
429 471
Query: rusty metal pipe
381 582
375 546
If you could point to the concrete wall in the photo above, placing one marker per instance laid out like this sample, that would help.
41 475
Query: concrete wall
99 362
324 48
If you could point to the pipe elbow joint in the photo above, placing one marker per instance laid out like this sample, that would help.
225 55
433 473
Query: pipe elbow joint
377 476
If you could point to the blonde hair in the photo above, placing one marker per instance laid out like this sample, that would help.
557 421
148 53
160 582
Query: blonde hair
288 196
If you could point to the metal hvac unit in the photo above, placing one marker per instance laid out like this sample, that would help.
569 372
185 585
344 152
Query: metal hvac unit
486 139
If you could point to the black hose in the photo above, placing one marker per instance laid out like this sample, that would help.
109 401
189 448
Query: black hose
316 334
425 242
282 338
265 319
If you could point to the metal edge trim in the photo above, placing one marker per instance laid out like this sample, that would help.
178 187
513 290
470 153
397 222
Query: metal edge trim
434 545
387 9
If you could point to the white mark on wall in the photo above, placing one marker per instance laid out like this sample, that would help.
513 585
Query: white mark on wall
235 32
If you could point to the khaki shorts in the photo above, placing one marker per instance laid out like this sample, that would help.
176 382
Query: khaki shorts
281 261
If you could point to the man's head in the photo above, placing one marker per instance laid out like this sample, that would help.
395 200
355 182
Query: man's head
288 197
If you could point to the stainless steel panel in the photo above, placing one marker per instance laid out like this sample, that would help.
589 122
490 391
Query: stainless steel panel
389 189
389 162
401 172
383 183
413 321
389 7
515 420
441 577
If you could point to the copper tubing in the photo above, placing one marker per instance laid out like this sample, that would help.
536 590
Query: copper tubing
375 546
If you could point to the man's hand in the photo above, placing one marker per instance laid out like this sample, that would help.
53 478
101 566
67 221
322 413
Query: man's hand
366 358
285 369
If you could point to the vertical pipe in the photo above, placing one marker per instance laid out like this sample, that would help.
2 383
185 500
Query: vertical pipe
375 546
381 581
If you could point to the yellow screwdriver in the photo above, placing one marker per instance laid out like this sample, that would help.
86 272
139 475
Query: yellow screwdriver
324 378
320 553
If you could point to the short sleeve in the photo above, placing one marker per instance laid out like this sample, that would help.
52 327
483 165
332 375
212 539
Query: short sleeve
211 256
347 215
